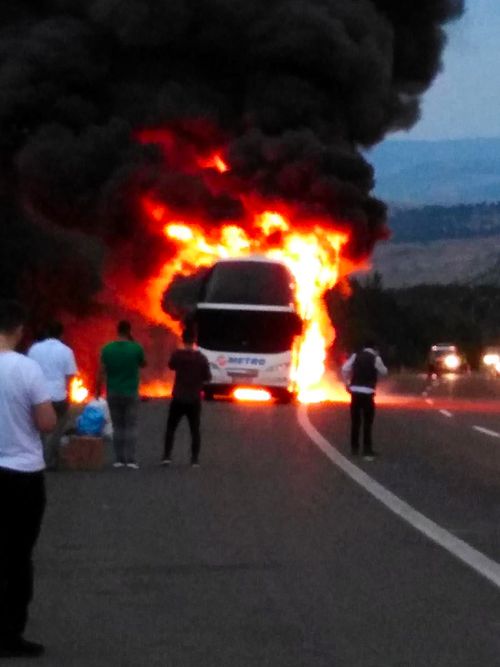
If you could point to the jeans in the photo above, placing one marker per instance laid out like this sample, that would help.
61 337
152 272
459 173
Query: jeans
362 411
192 411
124 412
52 440
22 504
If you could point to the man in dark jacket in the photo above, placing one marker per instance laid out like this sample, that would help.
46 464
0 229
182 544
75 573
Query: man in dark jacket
191 373
361 372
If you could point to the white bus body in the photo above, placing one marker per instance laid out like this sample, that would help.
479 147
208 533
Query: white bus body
247 326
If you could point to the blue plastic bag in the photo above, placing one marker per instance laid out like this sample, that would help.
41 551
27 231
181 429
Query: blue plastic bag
91 421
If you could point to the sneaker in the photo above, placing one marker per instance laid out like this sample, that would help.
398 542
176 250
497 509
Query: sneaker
118 464
133 465
19 648
165 462
195 464
370 456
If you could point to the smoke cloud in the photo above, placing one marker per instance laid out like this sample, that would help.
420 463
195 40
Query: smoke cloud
293 89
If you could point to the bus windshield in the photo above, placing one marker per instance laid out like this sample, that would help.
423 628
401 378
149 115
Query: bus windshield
250 283
259 332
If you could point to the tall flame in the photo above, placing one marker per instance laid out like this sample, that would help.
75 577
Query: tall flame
311 249
312 257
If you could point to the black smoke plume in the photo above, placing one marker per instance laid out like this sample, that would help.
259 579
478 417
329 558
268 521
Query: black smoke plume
294 88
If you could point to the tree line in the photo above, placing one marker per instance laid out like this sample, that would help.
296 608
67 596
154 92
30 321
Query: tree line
434 223
406 322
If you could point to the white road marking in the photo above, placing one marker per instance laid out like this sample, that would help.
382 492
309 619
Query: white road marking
480 563
486 431
446 413
429 401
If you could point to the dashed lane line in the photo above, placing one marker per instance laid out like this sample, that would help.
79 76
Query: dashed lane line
480 563
446 413
486 431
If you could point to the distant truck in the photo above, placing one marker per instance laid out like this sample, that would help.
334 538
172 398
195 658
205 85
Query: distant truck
445 358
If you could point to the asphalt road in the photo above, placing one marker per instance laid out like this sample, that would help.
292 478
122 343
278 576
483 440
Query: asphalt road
269 554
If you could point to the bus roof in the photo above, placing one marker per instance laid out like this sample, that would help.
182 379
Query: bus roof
252 258
254 282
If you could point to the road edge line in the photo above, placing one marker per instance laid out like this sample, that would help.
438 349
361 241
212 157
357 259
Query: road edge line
483 565
486 431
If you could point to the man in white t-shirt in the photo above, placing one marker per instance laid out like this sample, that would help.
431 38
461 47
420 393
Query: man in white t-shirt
58 365
25 411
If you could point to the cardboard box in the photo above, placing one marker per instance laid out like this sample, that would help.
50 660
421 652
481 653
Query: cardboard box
82 453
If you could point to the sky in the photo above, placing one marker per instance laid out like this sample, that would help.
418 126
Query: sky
464 101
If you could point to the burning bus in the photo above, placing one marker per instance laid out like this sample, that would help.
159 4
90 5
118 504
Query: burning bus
248 328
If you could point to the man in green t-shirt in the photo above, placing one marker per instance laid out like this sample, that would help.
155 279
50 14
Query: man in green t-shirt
120 366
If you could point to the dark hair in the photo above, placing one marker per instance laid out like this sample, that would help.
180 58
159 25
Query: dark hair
12 315
55 330
188 336
124 328
369 342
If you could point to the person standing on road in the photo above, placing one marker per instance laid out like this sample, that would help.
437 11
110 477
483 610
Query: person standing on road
192 371
25 411
360 373
121 362
58 365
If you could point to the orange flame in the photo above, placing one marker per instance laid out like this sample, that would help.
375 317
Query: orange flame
311 248
214 162
155 389
248 394
78 392
312 257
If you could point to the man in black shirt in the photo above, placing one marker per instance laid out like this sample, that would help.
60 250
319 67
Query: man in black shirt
191 372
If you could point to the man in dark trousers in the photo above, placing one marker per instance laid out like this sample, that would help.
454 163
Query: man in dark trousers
191 372
361 372
25 411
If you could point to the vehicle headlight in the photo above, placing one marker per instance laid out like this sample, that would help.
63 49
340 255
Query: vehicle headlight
491 359
452 362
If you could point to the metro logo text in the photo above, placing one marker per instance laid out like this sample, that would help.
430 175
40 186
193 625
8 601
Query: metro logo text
246 361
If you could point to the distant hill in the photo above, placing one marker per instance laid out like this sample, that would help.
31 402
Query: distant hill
416 173
441 245
462 261
435 223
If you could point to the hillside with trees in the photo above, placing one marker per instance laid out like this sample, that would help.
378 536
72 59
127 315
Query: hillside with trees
406 322
441 245
438 223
